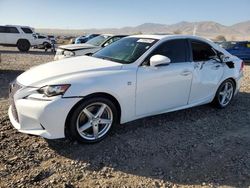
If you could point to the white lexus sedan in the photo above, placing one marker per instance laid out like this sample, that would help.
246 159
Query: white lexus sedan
137 76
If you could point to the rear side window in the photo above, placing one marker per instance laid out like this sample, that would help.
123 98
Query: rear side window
2 29
201 51
26 30
176 50
12 30
8 29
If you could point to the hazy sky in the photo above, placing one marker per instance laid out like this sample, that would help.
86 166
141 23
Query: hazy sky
83 14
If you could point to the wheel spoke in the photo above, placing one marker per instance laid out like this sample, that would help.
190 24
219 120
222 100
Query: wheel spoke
221 93
223 99
95 130
88 113
226 86
85 127
105 121
101 110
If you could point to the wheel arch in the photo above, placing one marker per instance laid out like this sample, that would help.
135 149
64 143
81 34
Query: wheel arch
22 39
98 94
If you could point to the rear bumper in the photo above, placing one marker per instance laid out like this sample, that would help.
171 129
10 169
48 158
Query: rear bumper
238 83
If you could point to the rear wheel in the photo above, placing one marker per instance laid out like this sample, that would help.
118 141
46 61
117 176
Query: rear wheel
23 45
92 120
224 94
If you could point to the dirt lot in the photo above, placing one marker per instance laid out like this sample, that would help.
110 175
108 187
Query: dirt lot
202 146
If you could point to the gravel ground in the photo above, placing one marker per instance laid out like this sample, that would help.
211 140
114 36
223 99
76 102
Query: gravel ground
202 146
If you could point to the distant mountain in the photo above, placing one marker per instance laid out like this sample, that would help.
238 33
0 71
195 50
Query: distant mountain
209 29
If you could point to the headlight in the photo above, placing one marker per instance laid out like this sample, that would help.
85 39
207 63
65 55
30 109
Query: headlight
68 53
53 90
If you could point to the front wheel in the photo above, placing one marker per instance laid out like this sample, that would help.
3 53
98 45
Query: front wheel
224 94
92 120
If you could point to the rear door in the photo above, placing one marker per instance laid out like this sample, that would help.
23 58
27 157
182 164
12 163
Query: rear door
2 34
12 35
207 72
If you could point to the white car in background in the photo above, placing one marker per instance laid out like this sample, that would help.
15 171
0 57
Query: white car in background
135 77
88 48
42 41
23 37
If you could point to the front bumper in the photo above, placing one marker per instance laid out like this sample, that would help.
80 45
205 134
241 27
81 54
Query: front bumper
42 118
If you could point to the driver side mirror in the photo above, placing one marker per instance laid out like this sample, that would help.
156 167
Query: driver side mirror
224 58
157 60
35 36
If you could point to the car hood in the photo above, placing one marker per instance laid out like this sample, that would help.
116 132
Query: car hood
66 67
73 47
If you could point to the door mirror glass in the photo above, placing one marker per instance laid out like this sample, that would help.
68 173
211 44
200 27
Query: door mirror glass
157 60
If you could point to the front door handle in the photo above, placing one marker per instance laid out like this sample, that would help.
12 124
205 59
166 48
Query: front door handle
216 67
185 73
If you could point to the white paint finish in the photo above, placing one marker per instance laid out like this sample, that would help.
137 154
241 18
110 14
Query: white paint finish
164 87
140 91
206 77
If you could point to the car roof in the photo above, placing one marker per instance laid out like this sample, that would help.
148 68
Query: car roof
170 36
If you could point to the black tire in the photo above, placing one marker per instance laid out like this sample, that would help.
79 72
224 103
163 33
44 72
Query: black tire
217 102
46 45
72 128
23 45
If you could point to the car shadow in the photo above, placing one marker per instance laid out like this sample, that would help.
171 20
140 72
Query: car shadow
193 146
7 76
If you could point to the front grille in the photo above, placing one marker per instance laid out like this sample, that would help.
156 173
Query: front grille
13 88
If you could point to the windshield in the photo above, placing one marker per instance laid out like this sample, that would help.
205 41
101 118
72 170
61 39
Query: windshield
126 50
97 41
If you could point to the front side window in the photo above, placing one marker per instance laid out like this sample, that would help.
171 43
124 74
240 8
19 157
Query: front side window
175 50
126 50
26 30
202 51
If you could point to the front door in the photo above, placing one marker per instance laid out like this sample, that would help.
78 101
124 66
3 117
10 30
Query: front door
164 87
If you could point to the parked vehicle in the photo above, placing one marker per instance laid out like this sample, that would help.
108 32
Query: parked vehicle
23 37
240 49
52 38
83 39
42 41
135 77
87 48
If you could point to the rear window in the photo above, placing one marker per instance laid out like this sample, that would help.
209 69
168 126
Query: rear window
26 30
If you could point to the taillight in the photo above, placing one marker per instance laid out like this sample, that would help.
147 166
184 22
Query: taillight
242 66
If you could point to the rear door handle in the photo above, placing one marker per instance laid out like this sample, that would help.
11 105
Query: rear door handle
185 73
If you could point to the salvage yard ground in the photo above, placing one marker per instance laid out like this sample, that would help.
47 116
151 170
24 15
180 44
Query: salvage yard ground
202 146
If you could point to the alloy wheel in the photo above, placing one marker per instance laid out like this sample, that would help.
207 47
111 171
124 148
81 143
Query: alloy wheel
94 121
